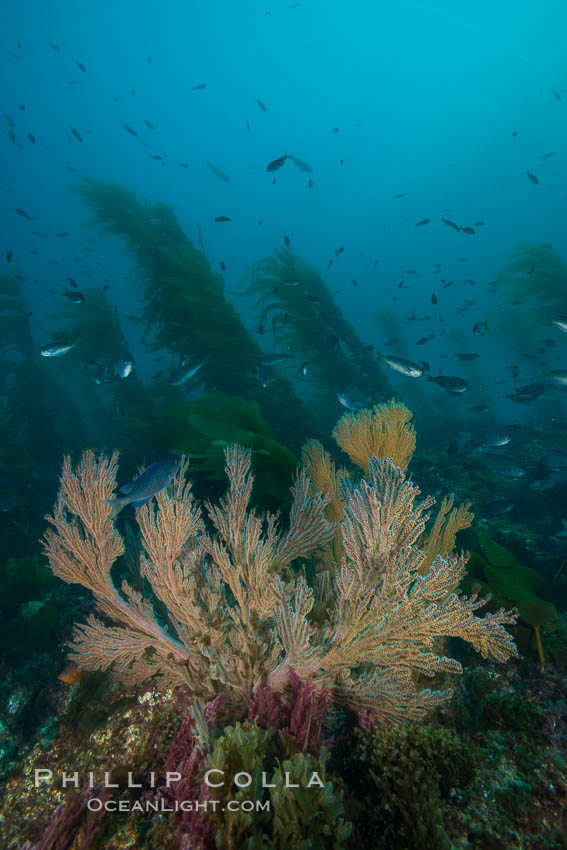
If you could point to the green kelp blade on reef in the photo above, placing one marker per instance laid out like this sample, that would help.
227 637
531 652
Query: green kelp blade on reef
511 583
274 464
203 427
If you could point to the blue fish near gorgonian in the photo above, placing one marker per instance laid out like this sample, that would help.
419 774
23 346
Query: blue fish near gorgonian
139 491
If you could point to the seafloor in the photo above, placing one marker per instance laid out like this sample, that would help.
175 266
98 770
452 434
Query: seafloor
488 770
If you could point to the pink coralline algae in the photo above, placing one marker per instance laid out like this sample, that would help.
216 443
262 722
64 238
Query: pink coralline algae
302 715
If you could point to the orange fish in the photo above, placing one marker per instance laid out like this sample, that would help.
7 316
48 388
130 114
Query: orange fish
71 674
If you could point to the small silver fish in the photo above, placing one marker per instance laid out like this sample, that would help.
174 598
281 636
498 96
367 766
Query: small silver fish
559 376
125 365
405 367
56 349
496 508
274 359
220 174
265 378
496 440
303 166
75 297
449 383
504 465
184 372
480 328
352 399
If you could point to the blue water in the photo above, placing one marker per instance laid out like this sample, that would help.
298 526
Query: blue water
427 98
